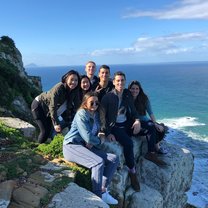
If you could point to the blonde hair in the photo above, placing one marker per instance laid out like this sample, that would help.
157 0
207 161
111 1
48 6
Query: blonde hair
90 62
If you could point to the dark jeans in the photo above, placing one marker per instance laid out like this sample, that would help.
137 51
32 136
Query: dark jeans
124 138
148 129
44 123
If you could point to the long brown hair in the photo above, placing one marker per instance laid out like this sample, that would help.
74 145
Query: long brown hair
141 99
99 109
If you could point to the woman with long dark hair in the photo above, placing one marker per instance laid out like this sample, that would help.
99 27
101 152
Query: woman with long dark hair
85 86
154 131
51 108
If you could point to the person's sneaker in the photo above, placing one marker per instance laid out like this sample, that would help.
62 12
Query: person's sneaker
153 158
108 199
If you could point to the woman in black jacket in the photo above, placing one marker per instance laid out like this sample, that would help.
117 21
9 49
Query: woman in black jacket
51 108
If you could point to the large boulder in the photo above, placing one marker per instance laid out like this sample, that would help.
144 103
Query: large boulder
160 187
26 128
75 196
172 182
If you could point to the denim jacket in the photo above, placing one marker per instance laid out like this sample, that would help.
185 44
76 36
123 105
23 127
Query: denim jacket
81 129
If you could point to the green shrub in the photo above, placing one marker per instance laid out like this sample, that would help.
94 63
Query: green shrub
6 131
16 138
54 149
7 41
12 85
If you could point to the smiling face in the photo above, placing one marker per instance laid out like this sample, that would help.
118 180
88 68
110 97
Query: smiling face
104 74
85 84
92 103
72 81
90 69
134 90
119 83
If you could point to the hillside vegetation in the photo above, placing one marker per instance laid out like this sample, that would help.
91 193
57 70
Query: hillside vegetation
12 83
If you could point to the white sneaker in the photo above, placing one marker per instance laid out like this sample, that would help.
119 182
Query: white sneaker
108 199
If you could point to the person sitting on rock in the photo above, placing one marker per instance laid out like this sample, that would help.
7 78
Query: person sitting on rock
82 146
119 111
154 131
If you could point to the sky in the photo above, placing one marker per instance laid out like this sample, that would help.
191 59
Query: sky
72 32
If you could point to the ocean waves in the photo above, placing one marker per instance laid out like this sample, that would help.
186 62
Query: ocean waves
183 131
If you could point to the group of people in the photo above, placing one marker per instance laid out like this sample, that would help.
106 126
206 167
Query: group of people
100 109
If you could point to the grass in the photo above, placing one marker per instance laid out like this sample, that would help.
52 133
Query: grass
20 155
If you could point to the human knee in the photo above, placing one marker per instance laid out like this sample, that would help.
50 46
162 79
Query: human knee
128 144
43 136
114 159
99 162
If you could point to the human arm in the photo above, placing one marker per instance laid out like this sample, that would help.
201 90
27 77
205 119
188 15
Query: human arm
105 102
152 117
57 96
84 126
136 127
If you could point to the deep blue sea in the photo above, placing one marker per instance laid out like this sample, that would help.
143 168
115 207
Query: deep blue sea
179 96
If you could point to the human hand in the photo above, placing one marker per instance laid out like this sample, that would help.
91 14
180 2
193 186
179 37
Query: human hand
98 89
136 127
111 137
57 128
159 127
101 135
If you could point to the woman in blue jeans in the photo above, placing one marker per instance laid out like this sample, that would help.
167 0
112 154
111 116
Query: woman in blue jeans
81 145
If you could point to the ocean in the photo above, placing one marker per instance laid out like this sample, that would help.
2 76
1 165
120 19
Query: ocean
179 97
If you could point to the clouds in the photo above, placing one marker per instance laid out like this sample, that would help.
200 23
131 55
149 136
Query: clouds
185 9
169 44
172 44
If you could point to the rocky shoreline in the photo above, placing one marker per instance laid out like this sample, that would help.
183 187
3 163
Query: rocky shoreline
160 187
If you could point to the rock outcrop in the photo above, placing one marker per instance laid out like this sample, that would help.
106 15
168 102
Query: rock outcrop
26 128
160 187
17 89
75 196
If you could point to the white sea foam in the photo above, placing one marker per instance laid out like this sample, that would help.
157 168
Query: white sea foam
181 122
179 133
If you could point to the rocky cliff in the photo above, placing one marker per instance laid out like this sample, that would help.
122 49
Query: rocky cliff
160 187
17 89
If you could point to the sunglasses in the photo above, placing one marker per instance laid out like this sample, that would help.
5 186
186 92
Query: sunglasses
94 103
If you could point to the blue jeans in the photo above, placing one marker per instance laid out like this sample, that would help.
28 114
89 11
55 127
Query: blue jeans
103 165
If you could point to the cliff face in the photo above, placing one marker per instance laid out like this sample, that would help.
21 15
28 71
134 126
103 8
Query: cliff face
160 187
17 89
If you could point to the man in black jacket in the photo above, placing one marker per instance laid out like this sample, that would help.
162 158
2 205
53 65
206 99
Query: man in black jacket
122 121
